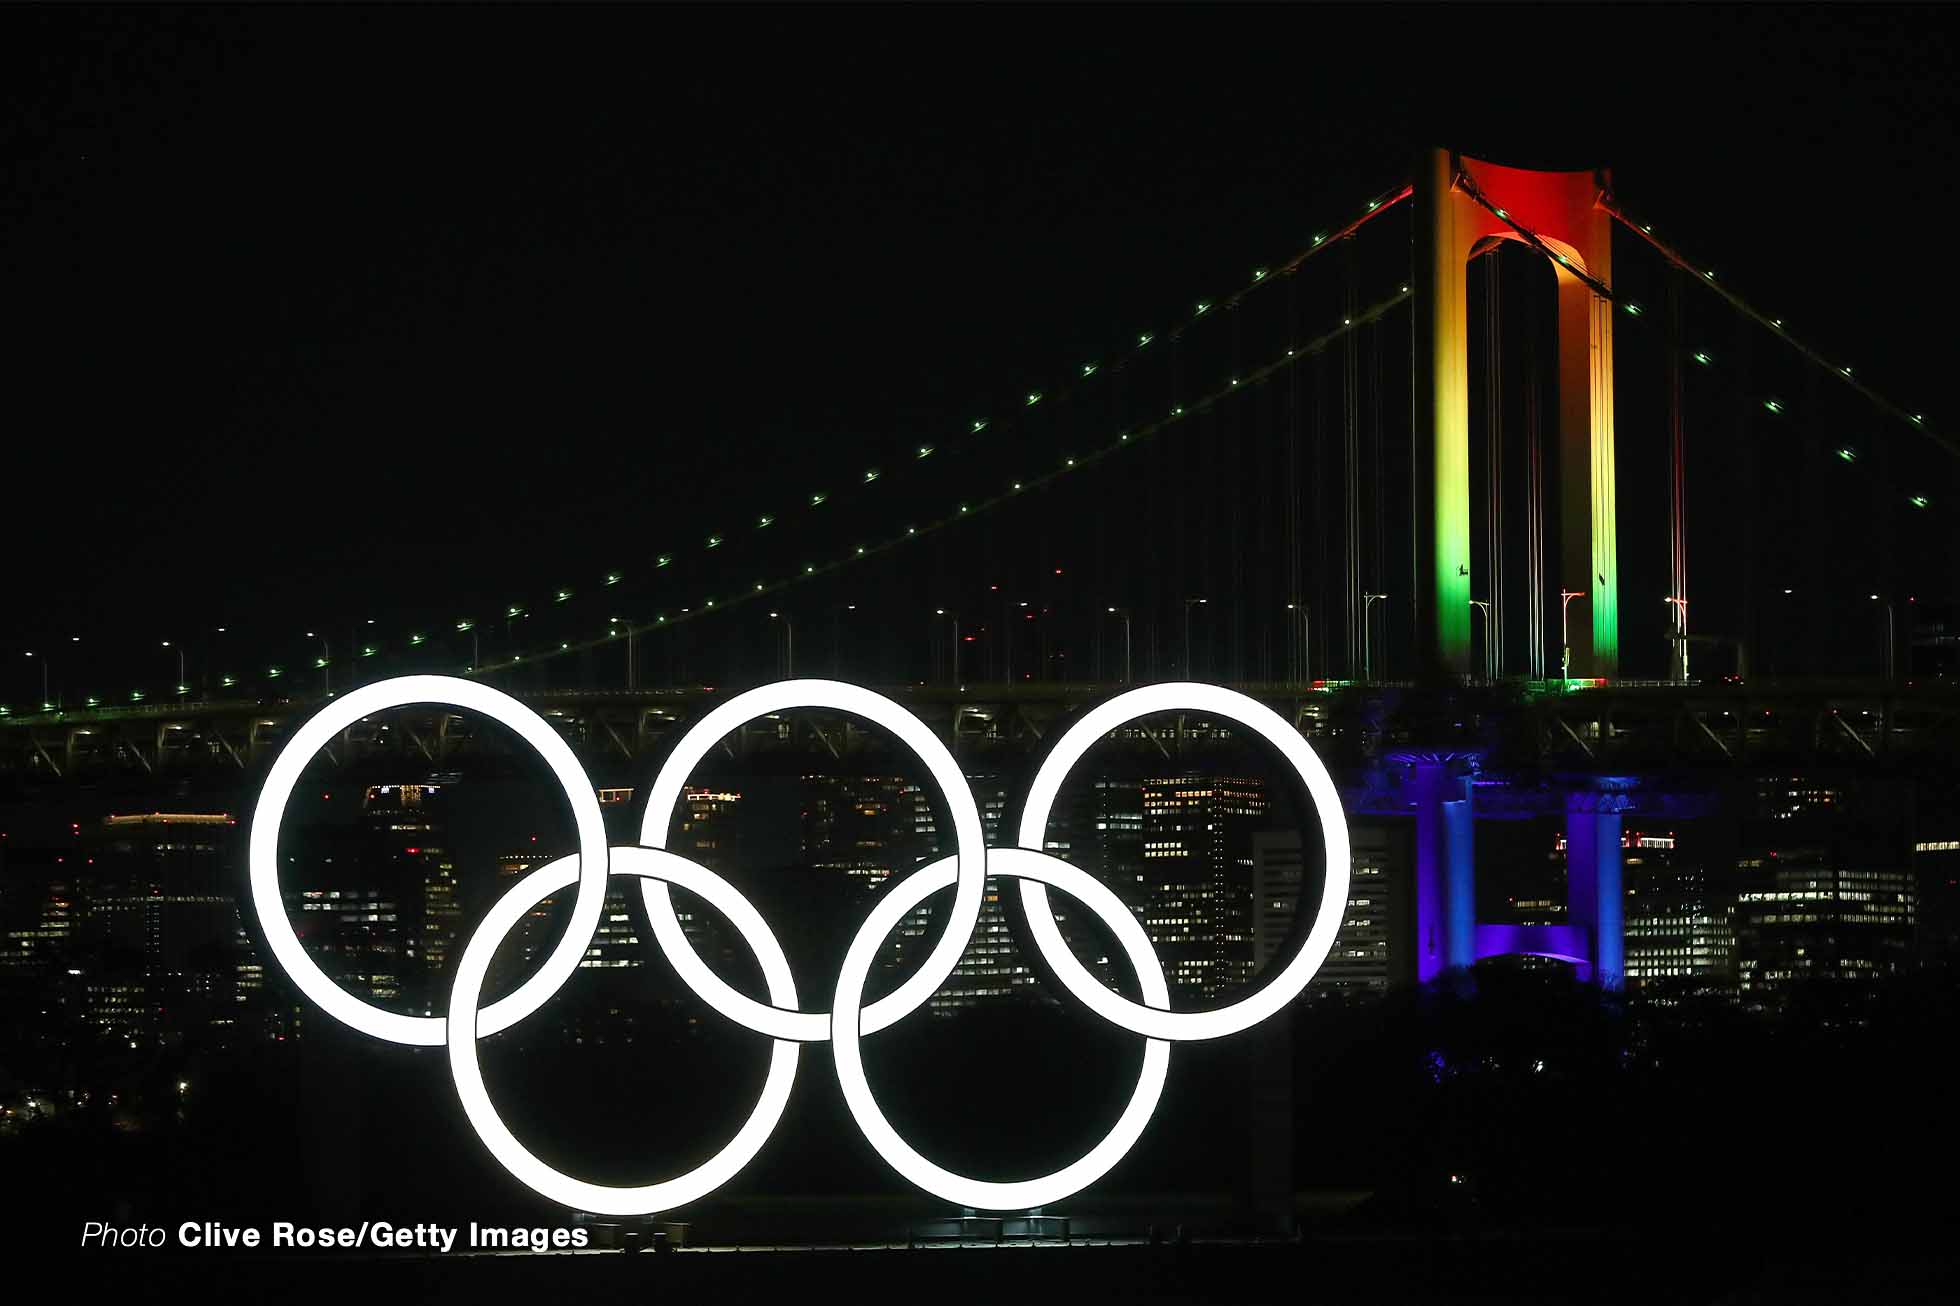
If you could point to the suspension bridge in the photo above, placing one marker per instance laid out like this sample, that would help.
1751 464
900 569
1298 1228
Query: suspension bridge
1488 477
1599 467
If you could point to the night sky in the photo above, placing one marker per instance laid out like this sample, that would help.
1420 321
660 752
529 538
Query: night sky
319 315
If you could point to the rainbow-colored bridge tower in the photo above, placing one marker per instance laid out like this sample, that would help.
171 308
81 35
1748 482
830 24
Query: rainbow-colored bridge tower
1462 206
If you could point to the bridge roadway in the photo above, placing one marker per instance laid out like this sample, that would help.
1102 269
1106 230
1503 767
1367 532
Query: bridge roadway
1584 727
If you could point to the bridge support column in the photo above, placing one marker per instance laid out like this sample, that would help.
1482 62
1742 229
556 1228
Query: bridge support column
1444 229
1595 895
1558 214
1446 883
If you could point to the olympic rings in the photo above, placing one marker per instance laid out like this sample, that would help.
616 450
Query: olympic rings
1185 1026
576 1193
425 1031
969 842
780 1018
1031 867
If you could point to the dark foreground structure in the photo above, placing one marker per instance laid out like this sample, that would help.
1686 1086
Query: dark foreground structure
1546 1270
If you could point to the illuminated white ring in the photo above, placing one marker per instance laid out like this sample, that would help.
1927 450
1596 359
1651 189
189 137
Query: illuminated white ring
969 842
319 730
1280 989
559 1187
981 1194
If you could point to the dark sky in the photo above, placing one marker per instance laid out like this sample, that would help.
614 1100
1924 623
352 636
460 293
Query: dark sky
317 314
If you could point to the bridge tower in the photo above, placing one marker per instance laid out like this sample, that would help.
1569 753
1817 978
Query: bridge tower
1462 206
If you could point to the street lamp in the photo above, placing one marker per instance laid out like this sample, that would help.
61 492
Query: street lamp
182 688
1367 636
1890 658
1564 632
789 641
1490 668
326 656
632 657
1125 614
1306 640
1681 606
837 611
47 704
954 617
476 654
1188 605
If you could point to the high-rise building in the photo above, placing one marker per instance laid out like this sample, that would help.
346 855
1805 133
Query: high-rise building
1196 891
1936 884
1370 951
408 834
40 915
991 969
1680 929
1797 797
706 832
867 828
1801 915
159 914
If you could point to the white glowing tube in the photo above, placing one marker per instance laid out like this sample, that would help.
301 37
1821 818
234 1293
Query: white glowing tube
511 1154
319 730
968 841
1280 989
1031 867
